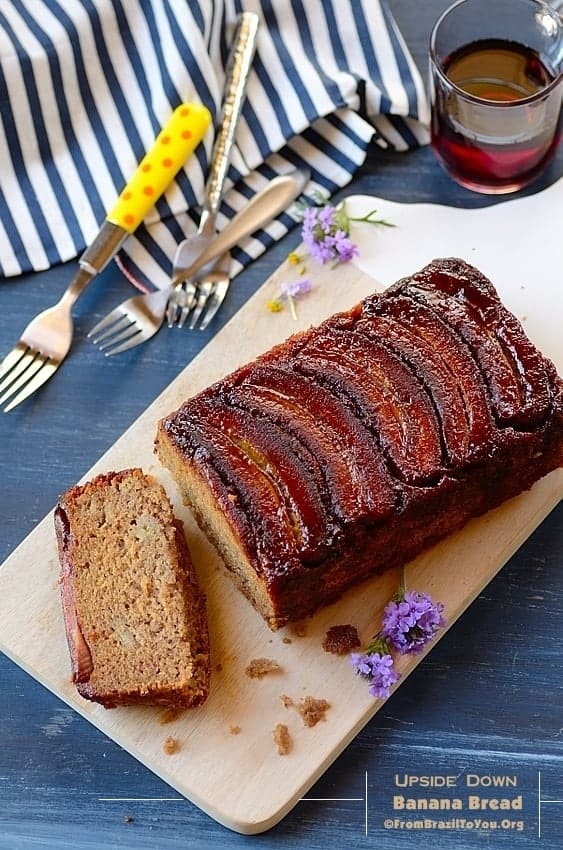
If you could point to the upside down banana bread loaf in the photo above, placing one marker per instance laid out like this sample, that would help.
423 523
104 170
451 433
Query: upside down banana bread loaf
352 446
134 615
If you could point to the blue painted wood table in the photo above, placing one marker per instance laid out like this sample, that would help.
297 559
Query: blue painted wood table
487 702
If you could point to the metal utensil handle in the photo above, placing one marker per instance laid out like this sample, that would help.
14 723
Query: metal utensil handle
262 208
238 70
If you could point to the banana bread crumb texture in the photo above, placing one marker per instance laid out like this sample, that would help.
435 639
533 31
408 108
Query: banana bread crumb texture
134 615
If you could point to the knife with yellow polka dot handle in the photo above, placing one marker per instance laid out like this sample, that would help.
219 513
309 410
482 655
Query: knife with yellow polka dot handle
179 137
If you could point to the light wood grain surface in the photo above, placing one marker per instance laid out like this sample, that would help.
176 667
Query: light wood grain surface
241 780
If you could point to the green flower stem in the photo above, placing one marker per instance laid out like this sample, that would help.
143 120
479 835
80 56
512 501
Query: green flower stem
378 644
402 589
403 582
367 218
291 301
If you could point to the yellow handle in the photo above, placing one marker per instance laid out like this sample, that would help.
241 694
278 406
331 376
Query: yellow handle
176 141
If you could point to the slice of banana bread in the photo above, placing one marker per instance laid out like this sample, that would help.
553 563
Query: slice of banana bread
134 615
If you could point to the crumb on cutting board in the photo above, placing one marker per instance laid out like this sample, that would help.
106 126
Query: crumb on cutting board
234 730
260 667
299 629
282 738
128 819
169 715
312 710
287 640
171 746
342 639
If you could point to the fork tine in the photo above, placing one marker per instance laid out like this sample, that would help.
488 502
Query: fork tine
176 296
180 303
33 366
105 322
129 343
12 358
125 333
217 297
203 293
213 305
120 322
19 369
43 374
191 290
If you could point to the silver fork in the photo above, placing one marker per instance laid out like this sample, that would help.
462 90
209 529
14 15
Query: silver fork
46 340
130 323
208 293
41 348
138 318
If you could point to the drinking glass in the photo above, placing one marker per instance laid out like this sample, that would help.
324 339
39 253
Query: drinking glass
496 85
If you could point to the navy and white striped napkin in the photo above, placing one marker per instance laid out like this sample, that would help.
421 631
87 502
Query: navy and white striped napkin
86 84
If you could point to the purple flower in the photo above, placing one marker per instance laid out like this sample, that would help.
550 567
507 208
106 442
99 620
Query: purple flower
296 288
326 231
326 216
410 622
361 661
326 234
378 669
344 247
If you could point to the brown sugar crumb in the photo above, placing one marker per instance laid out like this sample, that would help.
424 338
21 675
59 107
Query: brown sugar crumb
260 667
287 640
234 730
169 715
312 710
171 746
282 739
339 640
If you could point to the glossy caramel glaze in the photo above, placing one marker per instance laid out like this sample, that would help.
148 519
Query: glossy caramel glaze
354 445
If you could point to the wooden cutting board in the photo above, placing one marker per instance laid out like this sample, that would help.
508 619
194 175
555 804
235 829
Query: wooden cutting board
239 779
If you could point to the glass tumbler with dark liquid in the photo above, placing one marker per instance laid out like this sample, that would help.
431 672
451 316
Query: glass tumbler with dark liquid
496 87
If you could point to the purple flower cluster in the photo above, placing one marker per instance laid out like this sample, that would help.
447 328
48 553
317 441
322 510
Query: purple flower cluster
377 668
411 621
326 233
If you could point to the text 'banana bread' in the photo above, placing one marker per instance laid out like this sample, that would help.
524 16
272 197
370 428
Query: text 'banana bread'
351 447
134 615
